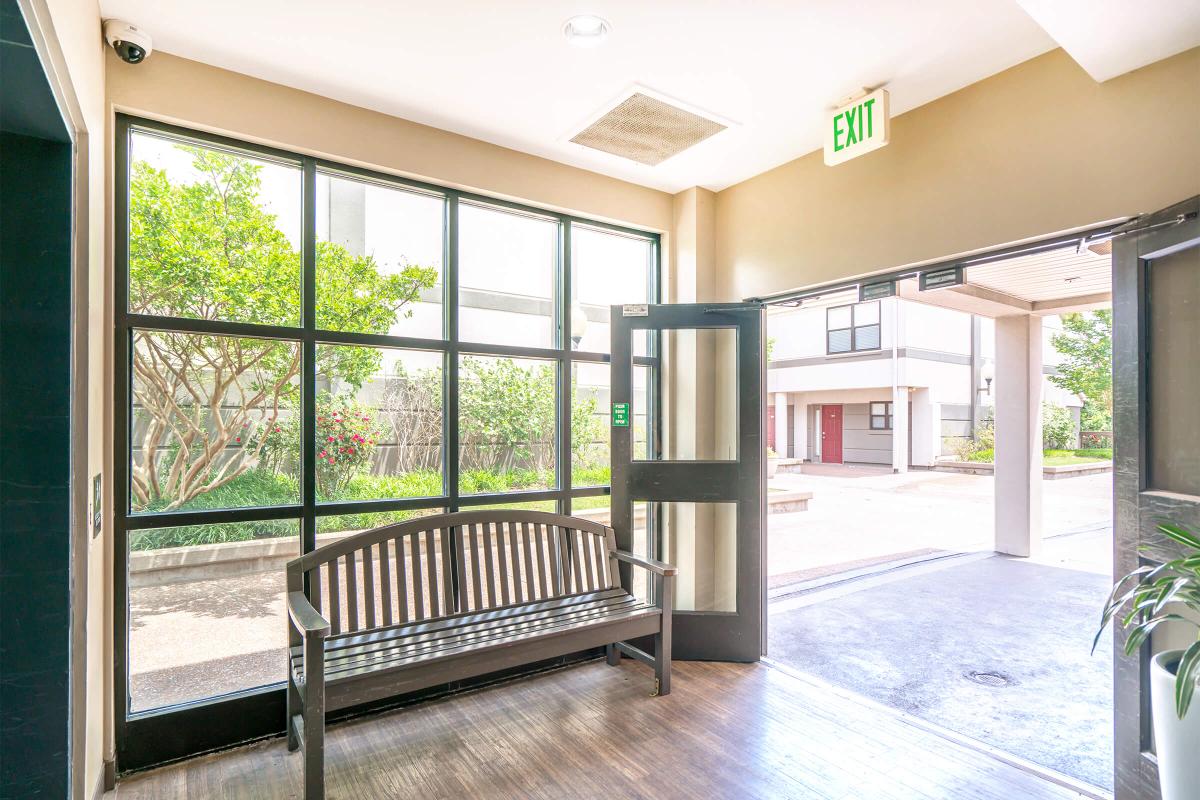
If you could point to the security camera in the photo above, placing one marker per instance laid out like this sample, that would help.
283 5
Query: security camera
132 44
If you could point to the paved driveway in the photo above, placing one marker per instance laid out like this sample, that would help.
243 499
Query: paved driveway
858 517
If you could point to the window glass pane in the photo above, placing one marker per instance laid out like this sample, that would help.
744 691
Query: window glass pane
878 408
839 341
709 358
866 338
643 377
379 423
700 539
507 264
590 431
642 546
866 313
338 526
839 317
549 506
506 424
379 259
206 610
608 269
213 422
212 235
1174 373
879 423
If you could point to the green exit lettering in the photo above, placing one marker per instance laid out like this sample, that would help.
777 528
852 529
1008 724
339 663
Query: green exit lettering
620 415
855 124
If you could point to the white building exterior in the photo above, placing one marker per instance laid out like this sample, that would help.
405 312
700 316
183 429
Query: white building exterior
901 386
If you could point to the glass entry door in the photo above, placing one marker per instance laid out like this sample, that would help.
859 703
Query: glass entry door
691 490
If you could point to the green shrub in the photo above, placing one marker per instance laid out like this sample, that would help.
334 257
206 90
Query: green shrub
1058 428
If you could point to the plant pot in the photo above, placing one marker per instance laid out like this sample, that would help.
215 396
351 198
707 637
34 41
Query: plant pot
772 467
1177 741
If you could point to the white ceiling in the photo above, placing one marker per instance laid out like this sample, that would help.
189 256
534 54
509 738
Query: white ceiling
1046 276
1111 37
501 71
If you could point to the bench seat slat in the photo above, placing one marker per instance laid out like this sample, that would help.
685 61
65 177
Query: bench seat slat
375 662
472 618
403 638
450 647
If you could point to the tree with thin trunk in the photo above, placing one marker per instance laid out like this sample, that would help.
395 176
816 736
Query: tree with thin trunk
1086 369
204 405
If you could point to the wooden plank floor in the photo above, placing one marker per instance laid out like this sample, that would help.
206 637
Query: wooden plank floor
591 731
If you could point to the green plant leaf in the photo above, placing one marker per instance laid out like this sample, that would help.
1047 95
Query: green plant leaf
1180 535
1186 677
1141 632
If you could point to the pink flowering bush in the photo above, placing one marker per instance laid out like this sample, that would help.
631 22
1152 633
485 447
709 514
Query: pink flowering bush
346 438
347 435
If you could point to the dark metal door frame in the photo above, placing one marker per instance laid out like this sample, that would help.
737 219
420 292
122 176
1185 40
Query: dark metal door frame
702 635
1138 508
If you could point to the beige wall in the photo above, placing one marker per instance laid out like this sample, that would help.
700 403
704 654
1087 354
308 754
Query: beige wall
198 95
1037 149
74 47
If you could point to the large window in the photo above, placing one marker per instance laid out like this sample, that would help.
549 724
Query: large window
312 350
850 329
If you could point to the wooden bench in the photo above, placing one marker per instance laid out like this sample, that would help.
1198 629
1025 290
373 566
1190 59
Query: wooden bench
444 598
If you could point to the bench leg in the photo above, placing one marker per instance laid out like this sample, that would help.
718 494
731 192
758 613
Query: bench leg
612 655
662 639
293 708
662 662
314 720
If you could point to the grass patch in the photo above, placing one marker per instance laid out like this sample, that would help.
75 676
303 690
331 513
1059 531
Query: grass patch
1062 458
1054 458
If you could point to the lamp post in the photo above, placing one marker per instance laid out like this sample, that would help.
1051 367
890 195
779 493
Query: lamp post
579 322
987 373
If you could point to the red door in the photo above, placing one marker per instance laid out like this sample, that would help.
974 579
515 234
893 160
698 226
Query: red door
831 434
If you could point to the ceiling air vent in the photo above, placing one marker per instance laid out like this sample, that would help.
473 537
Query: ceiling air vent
647 130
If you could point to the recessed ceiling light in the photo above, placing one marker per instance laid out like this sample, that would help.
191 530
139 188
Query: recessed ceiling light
586 30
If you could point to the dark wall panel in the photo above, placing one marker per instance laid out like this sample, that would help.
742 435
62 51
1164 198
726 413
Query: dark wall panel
35 382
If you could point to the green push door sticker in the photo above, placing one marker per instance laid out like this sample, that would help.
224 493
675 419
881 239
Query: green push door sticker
620 415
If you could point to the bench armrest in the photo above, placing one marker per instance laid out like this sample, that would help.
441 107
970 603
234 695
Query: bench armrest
306 618
657 567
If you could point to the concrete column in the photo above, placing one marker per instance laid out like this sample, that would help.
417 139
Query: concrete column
900 429
348 215
781 432
1018 393
926 428
800 435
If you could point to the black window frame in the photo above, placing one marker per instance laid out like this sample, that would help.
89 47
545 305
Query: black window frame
161 734
854 328
886 416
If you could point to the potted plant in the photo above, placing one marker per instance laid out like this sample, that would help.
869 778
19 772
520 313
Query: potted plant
1141 601
772 463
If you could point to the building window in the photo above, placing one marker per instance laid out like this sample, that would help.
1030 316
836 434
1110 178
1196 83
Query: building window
311 350
852 328
881 416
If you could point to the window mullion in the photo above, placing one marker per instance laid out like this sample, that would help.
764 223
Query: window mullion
308 358
563 299
450 421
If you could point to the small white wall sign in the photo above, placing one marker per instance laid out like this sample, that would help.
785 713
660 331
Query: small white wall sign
857 128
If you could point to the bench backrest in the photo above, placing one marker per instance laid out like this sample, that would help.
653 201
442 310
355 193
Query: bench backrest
447 564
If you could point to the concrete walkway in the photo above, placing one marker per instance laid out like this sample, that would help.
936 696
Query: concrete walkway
994 648
863 516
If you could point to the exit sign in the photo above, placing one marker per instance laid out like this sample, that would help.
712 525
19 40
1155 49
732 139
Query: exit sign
856 128
620 415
